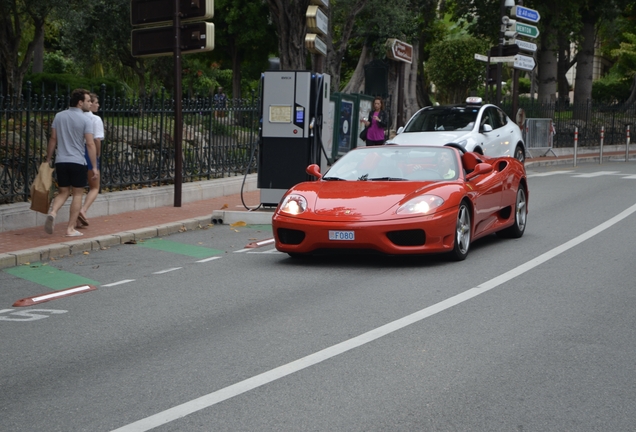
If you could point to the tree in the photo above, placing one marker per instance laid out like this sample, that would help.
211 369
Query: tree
291 25
15 16
244 35
453 69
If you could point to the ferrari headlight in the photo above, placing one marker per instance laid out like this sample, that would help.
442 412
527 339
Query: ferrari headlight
293 204
424 204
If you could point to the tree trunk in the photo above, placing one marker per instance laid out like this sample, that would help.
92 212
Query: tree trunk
563 67
291 24
584 70
356 83
547 68
336 53
10 40
38 55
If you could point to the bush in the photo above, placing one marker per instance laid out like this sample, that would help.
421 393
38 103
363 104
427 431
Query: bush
50 83
611 89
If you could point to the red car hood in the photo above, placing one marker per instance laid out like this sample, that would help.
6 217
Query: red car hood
362 198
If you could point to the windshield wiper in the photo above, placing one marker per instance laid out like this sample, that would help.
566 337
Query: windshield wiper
333 179
387 179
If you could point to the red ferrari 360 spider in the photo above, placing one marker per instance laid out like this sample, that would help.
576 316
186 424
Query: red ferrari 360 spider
403 200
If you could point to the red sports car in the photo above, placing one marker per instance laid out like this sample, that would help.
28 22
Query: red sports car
403 200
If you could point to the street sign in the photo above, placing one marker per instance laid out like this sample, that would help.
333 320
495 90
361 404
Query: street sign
506 50
526 46
524 62
144 12
317 21
506 59
315 45
398 50
525 14
527 30
159 41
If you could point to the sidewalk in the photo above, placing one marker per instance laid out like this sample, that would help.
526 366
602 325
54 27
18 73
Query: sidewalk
32 244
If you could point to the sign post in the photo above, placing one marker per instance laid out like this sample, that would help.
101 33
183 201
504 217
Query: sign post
318 25
403 53
158 41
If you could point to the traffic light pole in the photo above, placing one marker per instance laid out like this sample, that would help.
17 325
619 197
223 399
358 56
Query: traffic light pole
178 115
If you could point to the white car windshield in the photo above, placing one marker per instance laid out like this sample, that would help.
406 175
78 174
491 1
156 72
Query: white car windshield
436 119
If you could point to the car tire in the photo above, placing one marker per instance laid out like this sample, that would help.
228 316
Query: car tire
462 233
520 154
521 216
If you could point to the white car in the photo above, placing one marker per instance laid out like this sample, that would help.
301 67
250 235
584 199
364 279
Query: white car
480 128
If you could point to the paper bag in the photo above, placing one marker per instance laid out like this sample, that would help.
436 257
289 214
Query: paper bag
41 189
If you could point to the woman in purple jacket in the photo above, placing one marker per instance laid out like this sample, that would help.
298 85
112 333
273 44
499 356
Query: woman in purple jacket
376 123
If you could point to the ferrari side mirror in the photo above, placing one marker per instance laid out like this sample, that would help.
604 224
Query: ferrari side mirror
314 170
481 168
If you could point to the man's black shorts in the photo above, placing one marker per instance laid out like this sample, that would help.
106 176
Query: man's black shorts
71 174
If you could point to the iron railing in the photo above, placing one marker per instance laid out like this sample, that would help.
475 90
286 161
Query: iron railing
589 118
138 151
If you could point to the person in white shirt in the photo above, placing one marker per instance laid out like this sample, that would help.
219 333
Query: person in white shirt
93 182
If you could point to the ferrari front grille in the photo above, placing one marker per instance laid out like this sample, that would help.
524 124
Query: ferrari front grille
290 236
414 237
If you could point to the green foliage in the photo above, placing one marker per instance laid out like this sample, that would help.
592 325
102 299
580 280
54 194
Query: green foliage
611 89
51 83
57 63
453 69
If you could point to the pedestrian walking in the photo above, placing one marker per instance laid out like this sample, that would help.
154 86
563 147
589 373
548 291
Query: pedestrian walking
72 136
93 181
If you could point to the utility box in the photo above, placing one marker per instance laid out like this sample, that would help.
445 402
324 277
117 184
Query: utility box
295 105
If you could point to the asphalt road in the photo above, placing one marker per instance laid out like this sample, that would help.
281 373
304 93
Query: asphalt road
194 333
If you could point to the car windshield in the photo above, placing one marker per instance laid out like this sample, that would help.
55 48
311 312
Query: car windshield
435 119
395 163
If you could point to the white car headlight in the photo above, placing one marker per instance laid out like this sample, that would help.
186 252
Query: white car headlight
424 204
293 204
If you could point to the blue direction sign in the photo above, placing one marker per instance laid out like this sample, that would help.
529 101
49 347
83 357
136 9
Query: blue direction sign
525 14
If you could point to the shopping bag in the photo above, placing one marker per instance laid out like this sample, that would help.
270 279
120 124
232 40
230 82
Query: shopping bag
41 189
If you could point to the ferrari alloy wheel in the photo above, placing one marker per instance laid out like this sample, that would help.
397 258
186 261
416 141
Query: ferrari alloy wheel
521 214
462 233
520 155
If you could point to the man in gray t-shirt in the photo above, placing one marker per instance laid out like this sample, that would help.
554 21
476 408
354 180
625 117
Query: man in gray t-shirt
72 134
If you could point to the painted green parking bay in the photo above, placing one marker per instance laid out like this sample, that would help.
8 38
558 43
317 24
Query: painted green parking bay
180 248
48 276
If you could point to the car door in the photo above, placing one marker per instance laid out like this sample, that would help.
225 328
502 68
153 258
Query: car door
486 195
493 145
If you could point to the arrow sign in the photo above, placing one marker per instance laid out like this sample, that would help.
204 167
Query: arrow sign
524 62
507 59
526 46
526 30
525 14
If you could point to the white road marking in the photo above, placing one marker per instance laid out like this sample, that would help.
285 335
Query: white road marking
209 259
168 270
244 386
633 177
269 251
597 174
243 250
551 173
119 283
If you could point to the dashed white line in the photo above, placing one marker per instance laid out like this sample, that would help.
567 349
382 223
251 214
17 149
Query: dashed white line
168 270
209 259
596 174
125 281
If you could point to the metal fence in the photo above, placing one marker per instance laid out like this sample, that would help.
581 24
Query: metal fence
138 151
588 117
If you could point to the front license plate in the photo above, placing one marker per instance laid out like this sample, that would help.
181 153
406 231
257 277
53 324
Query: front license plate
342 235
